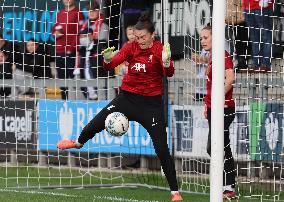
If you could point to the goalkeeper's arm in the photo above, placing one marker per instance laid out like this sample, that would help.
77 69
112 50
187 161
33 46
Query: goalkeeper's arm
114 58
167 61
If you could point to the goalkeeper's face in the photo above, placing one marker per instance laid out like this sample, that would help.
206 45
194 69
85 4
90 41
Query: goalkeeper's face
206 39
144 38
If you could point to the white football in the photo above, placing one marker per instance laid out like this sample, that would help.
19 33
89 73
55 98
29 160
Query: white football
116 124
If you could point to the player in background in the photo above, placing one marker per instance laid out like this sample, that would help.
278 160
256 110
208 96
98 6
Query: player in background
229 112
140 98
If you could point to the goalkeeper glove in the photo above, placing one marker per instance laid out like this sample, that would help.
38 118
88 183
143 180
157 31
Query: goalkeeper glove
108 54
263 3
166 55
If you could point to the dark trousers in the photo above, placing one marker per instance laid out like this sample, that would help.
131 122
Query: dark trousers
260 24
93 75
229 167
4 92
65 64
238 46
148 111
242 48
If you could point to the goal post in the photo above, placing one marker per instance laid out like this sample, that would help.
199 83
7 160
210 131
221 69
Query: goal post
218 101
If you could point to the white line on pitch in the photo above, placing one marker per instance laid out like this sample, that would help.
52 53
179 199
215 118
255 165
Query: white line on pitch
115 198
38 192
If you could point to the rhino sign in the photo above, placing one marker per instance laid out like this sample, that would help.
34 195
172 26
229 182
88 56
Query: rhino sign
65 122
271 130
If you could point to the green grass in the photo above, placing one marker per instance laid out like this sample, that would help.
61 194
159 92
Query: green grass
13 179
102 195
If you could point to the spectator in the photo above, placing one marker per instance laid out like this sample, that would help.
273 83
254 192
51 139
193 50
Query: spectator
6 67
96 22
130 33
6 47
93 39
66 29
123 68
258 17
23 74
35 65
36 59
11 50
237 34
100 38
88 60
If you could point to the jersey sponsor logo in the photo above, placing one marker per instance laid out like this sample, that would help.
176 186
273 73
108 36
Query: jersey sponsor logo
138 67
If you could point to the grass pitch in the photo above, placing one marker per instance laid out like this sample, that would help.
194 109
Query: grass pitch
14 183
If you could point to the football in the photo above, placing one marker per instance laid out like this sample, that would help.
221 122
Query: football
116 124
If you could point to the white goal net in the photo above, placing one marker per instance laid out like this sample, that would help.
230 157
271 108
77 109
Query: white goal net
49 93
253 37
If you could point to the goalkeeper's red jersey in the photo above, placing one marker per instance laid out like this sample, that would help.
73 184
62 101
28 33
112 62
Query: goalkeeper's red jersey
229 101
145 69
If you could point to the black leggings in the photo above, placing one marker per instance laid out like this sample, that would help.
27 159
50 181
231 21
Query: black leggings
65 64
146 110
229 167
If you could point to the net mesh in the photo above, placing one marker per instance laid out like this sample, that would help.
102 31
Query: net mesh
252 39
50 91
34 117
44 100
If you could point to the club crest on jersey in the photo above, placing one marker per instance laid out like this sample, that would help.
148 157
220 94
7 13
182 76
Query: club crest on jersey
138 67
150 59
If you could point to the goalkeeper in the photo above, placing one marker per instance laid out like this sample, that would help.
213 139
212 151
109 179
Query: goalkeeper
141 94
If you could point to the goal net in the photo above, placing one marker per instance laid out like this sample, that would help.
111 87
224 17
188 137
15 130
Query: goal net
49 93
257 133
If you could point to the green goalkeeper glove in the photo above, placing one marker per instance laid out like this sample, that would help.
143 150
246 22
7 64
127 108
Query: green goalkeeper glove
108 54
166 55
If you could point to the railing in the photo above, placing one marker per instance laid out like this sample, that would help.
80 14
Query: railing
256 86
107 87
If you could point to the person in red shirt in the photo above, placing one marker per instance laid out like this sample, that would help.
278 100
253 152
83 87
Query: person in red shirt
140 98
229 112
258 17
66 32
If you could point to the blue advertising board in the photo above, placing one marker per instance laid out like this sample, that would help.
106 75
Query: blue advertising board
25 20
65 120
